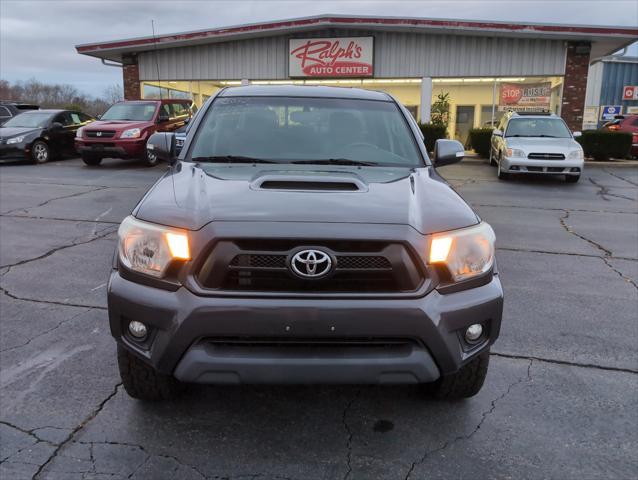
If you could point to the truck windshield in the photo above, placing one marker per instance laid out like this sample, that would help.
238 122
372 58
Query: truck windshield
131 111
305 130
29 120
537 127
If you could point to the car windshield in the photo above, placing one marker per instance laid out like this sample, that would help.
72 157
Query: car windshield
305 130
29 120
130 111
537 127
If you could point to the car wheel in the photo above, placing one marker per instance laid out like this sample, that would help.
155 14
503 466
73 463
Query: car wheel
91 160
465 383
492 161
141 381
572 178
151 159
500 174
40 152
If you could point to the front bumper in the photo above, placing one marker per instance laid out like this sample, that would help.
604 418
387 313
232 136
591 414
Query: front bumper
13 152
547 167
118 148
303 340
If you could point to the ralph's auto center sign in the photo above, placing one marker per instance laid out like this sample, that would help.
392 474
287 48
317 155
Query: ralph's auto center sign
331 57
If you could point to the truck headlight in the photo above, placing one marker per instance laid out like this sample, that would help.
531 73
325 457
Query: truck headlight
15 140
78 132
148 248
131 133
576 155
466 253
514 152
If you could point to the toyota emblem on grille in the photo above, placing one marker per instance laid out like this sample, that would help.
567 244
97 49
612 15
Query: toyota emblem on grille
98 134
311 263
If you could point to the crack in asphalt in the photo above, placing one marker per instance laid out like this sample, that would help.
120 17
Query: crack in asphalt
63 247
50 302
564 362
45 332
46 202
149 456
350 432
573 254
620 177
484 416
58 219
607 254
550 209
604 192
27 432
102 187
569 229
75 430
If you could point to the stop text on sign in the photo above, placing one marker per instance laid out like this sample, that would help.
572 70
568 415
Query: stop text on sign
331 57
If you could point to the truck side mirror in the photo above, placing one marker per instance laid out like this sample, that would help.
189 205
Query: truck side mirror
447 152
162 144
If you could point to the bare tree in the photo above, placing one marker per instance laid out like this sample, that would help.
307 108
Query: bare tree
59 95
113 93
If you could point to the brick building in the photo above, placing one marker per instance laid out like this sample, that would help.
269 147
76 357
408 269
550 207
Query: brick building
483 68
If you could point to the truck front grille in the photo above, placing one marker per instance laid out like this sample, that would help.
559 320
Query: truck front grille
546 156
359 267
100 133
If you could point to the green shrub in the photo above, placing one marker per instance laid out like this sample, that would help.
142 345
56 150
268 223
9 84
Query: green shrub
432 133
603 145
480 139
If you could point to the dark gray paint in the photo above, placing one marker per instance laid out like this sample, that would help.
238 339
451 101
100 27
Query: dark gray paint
190 196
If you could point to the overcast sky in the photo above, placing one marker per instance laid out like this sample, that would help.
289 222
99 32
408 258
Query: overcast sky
37 38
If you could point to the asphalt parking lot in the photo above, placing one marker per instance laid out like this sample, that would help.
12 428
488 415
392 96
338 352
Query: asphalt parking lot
560 400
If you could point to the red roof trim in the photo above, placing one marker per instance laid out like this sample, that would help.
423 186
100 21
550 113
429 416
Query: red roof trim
453 24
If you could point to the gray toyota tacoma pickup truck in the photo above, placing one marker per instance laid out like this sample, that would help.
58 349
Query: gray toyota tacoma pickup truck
303 235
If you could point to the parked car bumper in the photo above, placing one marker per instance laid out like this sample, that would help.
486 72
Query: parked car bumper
14 152
297 340
547 167
118 148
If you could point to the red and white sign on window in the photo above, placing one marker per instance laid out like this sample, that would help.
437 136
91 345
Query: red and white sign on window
331 57
630 92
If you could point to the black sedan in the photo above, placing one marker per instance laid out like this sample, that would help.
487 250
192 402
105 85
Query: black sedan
40 135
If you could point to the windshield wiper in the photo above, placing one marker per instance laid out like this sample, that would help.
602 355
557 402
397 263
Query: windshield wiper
231 159
549 136
336 161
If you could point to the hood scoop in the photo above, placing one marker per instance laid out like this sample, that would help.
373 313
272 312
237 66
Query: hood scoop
307 183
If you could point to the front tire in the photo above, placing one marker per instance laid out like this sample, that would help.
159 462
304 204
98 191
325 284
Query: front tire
141 381
150 159
40 152
91 160
465 383
492 161
500 173
572 178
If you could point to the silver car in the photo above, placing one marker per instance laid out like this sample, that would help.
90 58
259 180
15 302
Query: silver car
536 143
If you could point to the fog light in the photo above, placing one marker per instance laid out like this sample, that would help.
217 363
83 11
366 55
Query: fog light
473 332
575 169
137 329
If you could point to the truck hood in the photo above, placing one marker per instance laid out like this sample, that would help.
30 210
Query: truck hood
543 144
117 125
191 195
9 132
